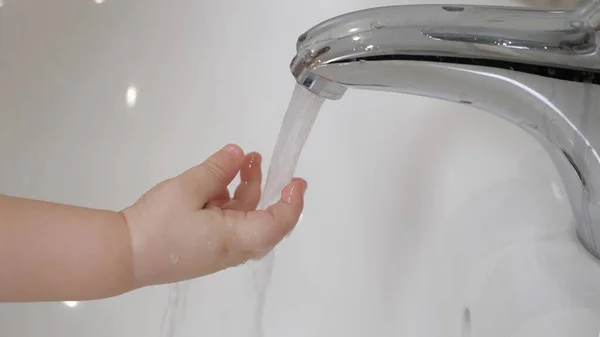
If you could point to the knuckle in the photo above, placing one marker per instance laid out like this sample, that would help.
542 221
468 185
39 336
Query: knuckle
285 217
216 169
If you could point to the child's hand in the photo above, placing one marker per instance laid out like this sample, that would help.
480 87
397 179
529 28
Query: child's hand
189 226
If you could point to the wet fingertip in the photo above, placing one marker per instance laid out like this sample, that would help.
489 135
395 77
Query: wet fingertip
253 159
293 191
254 156
251 171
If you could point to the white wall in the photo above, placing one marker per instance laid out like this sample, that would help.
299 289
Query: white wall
416 208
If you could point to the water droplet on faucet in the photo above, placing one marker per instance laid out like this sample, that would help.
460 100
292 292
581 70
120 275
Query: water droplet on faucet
453 8
576 24
377 25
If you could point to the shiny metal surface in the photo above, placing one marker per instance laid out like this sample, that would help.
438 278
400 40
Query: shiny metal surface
418 209
538 69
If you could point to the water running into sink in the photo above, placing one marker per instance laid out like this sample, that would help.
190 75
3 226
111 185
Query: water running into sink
301 114
175 311
298 121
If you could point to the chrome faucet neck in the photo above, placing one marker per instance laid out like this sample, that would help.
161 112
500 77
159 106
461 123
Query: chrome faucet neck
538 69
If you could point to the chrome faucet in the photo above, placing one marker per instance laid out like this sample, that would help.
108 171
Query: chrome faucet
539 69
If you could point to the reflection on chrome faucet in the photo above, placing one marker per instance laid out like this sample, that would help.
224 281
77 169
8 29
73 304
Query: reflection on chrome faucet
539 69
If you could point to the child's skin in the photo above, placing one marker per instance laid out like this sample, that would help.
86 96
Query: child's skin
183 228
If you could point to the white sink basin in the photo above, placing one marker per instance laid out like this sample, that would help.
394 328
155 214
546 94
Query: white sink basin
423 218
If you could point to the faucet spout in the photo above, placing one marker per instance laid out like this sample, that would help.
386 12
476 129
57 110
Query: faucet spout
538 69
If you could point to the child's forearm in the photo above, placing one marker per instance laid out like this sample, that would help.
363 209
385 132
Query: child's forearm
183 228
54 252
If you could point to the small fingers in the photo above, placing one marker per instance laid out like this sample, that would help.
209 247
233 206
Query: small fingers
247 194
261 230
207 180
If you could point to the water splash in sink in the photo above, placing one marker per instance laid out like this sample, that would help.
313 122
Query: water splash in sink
298 121
175 312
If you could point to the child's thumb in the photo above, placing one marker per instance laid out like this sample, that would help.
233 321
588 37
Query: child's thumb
204 181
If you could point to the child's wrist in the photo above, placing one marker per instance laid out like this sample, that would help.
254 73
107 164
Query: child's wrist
135 281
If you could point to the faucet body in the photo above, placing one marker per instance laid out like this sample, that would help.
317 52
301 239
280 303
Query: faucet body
538 69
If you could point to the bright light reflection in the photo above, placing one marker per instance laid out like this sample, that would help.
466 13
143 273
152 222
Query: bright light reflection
71 304
98 1
131 96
